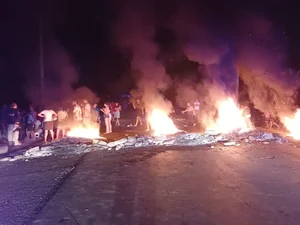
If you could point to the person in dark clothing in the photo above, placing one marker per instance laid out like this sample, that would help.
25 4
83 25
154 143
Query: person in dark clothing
96 116
30 123
140 112
2 121
13 124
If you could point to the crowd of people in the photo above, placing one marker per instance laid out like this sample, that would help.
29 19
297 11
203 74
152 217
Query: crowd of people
52 123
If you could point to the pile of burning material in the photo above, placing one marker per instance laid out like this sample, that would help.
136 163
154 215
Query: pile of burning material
71 146
250 137
232 127
191 139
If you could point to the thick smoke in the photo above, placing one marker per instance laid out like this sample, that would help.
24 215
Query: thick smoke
256 55
60 77
216 64
135 30
263 67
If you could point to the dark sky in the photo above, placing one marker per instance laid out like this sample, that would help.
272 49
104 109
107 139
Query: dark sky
83 29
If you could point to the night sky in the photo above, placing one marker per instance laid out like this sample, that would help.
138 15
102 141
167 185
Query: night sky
83 29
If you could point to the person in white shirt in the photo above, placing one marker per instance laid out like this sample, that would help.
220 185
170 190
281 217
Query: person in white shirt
87 115
77 113
197 110
62 116
48 115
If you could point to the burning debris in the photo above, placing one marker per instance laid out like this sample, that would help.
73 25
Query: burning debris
92 133
73 145
161 123
293 125
231 118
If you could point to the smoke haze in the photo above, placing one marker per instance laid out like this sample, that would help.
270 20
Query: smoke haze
60 78
251 50
262 63
135 30
256 54
215 64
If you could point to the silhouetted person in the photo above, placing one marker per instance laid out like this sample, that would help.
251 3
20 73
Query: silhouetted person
107 118
48 115
139 109
13 124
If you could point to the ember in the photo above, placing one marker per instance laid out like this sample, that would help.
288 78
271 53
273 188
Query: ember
90 133
161 123
231 118
293 125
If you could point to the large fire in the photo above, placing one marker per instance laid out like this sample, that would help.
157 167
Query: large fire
293 125
90 133
231 118
161 123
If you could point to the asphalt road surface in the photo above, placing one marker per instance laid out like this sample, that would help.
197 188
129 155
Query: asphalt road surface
251 184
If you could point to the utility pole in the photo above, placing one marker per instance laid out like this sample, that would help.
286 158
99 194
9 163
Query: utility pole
42 75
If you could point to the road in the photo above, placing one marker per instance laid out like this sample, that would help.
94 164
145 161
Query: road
248 184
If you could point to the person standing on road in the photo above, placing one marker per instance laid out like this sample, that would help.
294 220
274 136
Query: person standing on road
13 122
62 116
30 123
197 110
48 115
77 114
139 108
107 118
190 112
117 113
86 114
96 116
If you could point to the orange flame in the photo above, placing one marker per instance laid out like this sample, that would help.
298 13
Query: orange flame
161 123
90 133
293 125
231 118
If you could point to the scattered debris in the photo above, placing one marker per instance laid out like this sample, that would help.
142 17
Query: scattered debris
3 149
81 145
267 157
116 143
232 143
